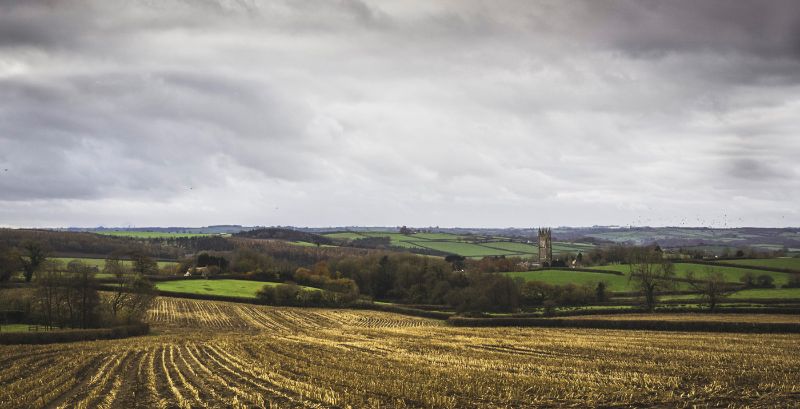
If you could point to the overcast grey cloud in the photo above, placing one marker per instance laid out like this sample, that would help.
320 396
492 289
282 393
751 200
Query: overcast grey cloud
451 113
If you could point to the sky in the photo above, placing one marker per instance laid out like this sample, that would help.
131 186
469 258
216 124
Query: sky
385 113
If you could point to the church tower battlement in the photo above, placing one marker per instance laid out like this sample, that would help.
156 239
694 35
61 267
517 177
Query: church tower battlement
545 247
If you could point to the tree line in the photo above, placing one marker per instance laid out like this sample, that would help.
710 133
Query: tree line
68 296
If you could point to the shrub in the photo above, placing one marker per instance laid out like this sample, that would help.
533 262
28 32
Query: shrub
50 337
293 295
266 295
794 281
748 279
765 281
649 325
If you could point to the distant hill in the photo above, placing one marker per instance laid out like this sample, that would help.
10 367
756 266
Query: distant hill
714 240
277 233
707 238
218 229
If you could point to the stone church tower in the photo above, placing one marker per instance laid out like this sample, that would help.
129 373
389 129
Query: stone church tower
545 247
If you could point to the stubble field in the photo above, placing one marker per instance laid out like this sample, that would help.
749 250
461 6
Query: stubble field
216 354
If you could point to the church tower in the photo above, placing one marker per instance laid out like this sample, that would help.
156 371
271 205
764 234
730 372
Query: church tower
545 247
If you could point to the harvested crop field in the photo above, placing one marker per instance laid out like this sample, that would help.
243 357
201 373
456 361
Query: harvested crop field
205 353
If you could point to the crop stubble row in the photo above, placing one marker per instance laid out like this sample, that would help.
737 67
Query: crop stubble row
218 354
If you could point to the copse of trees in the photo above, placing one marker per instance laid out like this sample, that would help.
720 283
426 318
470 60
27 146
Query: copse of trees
371 243
496 264
31 257
751 280
538 294
284 234
794 281
206 260
84 243
615 254
485 292
131 293
291 294
320 276
400 277
69 297
9 263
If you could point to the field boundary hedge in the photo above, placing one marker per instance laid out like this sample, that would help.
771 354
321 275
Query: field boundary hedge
581 269
725 263
437 315
661 310
646 325
73 335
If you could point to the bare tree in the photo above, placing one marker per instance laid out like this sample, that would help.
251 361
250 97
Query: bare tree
712 288
143 264
651 273
9 263
132 294
50 293
80 295
114 266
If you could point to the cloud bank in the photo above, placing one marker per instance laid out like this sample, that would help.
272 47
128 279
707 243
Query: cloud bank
451 113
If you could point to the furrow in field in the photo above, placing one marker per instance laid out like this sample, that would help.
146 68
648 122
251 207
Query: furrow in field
241 394
272 393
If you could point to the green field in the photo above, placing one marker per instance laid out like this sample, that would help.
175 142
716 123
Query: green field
464 245
465 249
523 248
14 328
767 293
151 234
438 236
783 262
732 274
344 235
228 288
562 247
615 283
101 262
754 294
397 239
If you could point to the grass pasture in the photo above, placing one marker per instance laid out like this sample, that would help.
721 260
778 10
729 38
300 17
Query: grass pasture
732 274
100 263
615 283
790 263
227 288
464 249
464 245
767 293
344 235
14 328
215 354
515 247
788 294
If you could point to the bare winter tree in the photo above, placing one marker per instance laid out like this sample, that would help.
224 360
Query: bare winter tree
132 294
651 273
712 288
